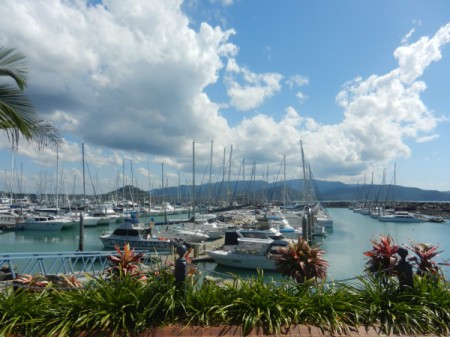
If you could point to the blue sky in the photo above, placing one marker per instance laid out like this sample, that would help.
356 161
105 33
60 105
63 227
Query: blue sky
364 85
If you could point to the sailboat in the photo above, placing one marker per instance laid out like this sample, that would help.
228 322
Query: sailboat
182 230
311 196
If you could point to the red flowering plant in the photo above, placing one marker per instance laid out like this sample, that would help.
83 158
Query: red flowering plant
424 259
382 258
192 270
126 263
38 282
301 261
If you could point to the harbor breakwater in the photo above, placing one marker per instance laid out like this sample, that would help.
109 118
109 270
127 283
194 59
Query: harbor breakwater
431 208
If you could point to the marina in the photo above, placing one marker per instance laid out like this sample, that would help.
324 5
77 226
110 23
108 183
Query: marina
343 245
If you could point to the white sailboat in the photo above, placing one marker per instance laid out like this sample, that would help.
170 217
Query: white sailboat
311 196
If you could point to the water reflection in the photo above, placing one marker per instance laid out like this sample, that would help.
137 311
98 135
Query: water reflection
39 236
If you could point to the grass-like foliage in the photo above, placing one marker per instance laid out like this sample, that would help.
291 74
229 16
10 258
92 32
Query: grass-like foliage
256 303
126 304
425 309
21 311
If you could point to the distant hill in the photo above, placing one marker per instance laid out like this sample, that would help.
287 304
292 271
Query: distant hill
328 191
261 192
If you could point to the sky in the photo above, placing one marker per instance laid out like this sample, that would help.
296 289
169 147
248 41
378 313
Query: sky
152 86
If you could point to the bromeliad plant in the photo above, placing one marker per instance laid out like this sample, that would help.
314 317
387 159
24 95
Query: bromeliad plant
127 263
382 258
302 262
424 259
38 282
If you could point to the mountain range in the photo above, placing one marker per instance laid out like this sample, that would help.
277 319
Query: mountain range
292 190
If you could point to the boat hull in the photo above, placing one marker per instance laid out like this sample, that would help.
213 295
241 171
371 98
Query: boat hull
40 226
153 244
242 261
400 218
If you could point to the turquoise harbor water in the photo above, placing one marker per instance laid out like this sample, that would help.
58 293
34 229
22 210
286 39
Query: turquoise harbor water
344 245
351 236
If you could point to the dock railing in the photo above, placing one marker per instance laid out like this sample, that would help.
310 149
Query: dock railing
67 263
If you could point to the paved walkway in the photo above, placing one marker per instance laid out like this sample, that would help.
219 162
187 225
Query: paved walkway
235 331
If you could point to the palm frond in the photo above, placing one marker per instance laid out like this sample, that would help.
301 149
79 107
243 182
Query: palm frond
18 117
12 64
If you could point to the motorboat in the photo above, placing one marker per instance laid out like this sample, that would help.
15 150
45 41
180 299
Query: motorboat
9 219
402 216
104 214
178 231
88 220
324 220
287 230
250 253
233 236
206 224
45 223
133 232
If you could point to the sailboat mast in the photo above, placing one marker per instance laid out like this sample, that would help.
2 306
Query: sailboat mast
81 242
132 185
243 179
12 177
162 182
123 185
210 176
229 177
193 179
224 168
149 190
395 182
284 180
304 173
57 177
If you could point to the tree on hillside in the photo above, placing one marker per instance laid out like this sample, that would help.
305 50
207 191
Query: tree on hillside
18 117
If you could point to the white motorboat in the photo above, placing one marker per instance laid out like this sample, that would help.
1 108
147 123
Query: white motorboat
45 223
9 219
233 236
177 231
104 216
207 225
137 235
324 220
287 230
88 220
402 216
250 254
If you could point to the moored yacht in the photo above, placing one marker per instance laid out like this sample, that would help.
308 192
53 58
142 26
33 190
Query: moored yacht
401 216
177 231
9 219
233 236
250 253
45 223
137 235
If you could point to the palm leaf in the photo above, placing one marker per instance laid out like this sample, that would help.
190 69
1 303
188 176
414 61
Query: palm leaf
17 115
12 64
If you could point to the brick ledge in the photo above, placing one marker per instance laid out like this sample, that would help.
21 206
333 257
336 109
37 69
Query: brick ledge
236 331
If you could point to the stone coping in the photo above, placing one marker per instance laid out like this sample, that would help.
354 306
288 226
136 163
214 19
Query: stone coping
236 331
